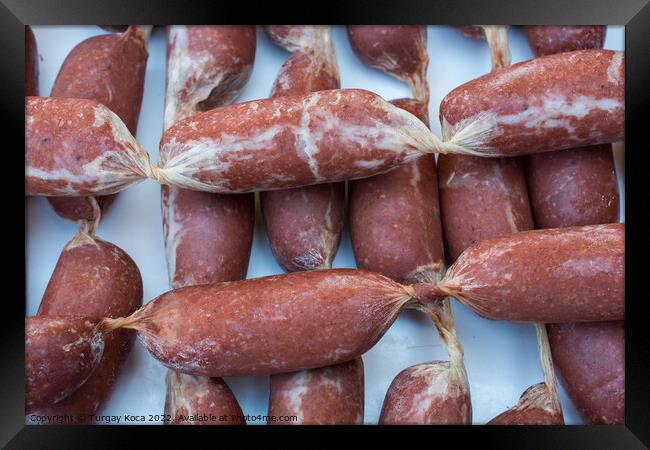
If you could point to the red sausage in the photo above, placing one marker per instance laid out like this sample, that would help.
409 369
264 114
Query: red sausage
79 147
208 237
573 187
535 407
291 141
434 393
546 40
399 50
31 63
232 328
306 71
326 396
109 69
97 279
194 400
591 359
481 198
304 224
60 354
556 275
395 218
207 67
549 103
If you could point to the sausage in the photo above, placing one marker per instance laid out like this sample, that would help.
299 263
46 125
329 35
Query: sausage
481 198
326 396
194 400
558 275
208 237
109 69
232 328
591 359
77 147
290 141
399 50
31 62
304 225
96 279
306 71
395 218
573 187
535 407
60 354
432 393
546 40
207 67
549 103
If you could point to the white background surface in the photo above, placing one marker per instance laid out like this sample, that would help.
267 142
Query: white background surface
501 358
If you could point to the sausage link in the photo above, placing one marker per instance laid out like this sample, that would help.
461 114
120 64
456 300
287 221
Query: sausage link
326 396
304 224
109 69
77 147
546 40
60 354
31 63
549 103
411 399
573 187
231 328
481 198
194 400
207 67
395 218
591 359
399 50
557 275
97 279
291 141
535 407
434 393
208 237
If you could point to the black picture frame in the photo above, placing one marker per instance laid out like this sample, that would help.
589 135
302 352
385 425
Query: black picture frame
634 14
